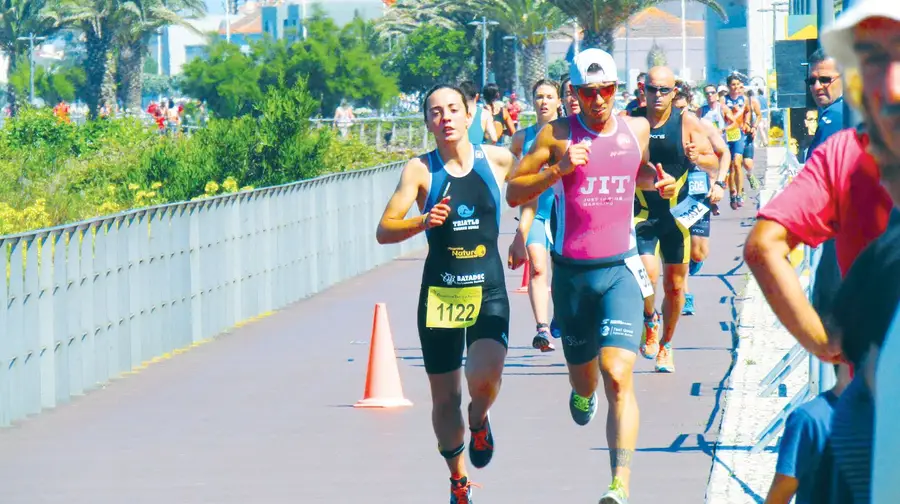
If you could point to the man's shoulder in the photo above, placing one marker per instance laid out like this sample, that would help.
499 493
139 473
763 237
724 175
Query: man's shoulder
816 412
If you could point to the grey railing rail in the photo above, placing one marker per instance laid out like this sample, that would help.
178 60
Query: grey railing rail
87 302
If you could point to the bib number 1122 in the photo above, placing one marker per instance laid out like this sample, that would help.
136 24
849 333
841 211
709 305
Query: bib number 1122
452 308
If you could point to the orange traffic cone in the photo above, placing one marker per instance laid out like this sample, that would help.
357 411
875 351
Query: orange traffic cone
526 277
383 388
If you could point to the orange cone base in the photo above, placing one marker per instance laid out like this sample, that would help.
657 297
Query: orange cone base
382 403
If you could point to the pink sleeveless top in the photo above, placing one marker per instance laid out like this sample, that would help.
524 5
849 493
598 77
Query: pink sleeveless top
595 203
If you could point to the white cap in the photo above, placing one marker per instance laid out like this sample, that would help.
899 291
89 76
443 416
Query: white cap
837 40
722 89
607 72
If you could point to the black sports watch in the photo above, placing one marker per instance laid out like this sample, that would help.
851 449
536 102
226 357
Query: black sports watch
720 184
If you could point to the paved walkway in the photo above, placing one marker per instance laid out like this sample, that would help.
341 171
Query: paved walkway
262 414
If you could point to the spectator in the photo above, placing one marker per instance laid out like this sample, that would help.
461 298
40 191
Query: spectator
828 92
865 37
804 457
641 99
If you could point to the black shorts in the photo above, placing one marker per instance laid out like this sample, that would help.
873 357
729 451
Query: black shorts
660 231
701 227
596 307
442 349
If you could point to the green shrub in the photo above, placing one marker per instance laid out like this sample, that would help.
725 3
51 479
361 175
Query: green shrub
53 172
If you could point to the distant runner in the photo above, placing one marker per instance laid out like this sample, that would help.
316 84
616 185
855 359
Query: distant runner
463 301
736 109
533 233
593 161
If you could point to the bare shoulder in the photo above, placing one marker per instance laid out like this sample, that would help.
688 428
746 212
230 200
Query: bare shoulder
639 125
691 120
498 156
415 171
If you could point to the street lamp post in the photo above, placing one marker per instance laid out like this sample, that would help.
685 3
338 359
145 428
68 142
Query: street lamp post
774 10
683 42
484 24
228 21
515 40
31 38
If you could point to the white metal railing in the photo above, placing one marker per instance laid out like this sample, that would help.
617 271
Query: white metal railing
87 302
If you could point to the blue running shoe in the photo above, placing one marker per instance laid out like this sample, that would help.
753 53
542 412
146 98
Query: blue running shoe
583 409
688 305
695 267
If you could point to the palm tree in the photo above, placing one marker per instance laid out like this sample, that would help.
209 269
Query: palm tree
21 18
527 20
601 18
98 21
133 36
405 16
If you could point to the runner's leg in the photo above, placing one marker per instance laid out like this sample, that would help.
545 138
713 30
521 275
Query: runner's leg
487 348
623 416
675 248
621 323
539 283
442 353
648 248
447 419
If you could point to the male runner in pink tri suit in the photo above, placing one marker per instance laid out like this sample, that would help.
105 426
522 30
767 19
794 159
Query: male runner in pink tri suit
594 161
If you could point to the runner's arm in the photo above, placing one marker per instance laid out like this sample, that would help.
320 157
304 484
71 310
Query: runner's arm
707 158
394 227
766 253
507 118
518 142
719 147
487 124
526 217
528 181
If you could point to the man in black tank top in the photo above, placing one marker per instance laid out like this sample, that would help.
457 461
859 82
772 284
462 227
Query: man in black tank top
676 142
463 302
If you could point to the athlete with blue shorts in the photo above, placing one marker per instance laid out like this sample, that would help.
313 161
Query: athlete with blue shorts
594 161
736 110
533 234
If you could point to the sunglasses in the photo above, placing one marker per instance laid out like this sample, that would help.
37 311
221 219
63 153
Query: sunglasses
591 93
660 90
824 80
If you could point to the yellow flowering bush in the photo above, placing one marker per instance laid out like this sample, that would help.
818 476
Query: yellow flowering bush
34 216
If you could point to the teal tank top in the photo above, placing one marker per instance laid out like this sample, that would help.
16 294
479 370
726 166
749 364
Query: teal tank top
476 132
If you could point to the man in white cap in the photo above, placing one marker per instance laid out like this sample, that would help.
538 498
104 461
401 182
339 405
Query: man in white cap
866 37
594 161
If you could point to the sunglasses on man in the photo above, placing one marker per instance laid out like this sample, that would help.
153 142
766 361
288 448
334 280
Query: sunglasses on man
591 93
823 80
659 90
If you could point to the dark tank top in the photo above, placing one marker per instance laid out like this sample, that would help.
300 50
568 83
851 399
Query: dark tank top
463 251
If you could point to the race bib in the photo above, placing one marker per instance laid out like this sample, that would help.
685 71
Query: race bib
636 267
452 307
689 211
698 184
733 134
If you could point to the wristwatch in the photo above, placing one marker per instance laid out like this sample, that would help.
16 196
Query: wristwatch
720 184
